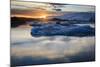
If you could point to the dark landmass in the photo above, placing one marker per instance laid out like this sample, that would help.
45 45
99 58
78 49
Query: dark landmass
70 18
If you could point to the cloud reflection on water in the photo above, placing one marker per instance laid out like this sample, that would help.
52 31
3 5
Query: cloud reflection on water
50 49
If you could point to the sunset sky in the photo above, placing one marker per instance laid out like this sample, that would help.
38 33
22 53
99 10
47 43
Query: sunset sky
42 10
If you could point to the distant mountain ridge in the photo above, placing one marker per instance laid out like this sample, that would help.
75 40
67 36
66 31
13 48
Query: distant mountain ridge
69 17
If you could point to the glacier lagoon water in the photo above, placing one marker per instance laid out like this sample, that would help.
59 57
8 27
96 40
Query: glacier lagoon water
28 50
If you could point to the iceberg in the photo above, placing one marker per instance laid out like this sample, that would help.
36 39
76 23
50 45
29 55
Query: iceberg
57 29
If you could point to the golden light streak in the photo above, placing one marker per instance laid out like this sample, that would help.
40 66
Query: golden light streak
26 16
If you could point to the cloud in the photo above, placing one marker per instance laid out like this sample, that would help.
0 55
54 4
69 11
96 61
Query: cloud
34 8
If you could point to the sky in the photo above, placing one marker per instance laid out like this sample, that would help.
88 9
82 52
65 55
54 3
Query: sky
89 2
41 10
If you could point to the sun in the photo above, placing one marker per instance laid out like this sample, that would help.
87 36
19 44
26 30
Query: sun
43 17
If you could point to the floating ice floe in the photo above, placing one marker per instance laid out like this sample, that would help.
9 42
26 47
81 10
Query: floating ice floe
68 30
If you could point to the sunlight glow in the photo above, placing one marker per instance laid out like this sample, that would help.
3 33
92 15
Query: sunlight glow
44 17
